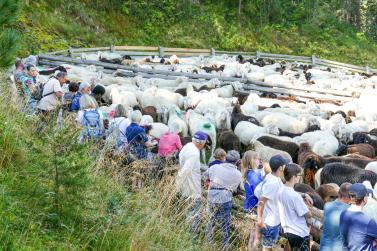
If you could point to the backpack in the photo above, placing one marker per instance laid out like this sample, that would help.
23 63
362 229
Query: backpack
91 122
38 91
115 133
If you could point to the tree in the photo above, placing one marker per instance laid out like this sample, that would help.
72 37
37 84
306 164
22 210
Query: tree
9 37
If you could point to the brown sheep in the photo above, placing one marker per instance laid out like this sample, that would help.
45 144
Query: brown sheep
328 192
289 147
150 110
363 137
361 149
228 140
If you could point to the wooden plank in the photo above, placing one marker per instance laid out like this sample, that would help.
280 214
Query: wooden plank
340 67
262 55
90 49
186 54
129 53
186 50
57 52
136 48
237 53
340 64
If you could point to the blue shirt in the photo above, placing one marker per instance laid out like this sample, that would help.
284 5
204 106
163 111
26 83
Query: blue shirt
215 162
75 105
136 139
331 239
358 231
252 180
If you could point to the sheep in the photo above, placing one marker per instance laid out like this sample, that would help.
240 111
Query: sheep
285 122
266 152
321 142
176 116
328 192
247 131
317 199
289 147
372 166
362 137
158 129
227 140
237 116
339 173
362 149
159 97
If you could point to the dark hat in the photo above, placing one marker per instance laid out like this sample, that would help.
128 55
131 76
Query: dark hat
200 136
358 191
277 161
233 156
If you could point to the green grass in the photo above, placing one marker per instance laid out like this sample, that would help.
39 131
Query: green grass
49 25
88 206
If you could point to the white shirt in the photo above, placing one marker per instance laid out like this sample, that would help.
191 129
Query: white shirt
188 179
121 123
225 176
292 210
51 101
270 187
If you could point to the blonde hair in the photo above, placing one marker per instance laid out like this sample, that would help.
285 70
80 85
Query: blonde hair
219 154
247 162
87 102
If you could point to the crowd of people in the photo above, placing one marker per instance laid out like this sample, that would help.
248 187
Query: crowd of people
268 188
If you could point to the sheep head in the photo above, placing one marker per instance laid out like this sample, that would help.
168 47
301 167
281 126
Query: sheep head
272 129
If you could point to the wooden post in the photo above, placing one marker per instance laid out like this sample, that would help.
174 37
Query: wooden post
112 48
367 69
70 52
213 52
258 54
161 52
313 60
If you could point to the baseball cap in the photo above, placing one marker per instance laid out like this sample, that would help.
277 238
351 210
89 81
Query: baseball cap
277 161
233 156
358 191
200 137
83 85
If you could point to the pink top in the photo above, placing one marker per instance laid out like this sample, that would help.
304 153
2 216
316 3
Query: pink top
169 143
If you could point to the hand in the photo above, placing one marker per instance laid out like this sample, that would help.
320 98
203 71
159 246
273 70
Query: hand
261 225
307 199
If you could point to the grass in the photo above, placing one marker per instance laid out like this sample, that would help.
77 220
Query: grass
89 205
53 25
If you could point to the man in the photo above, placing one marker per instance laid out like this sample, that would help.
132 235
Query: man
84 88
268 212
331 239
358 231
52 92
188 179
293 211
224 179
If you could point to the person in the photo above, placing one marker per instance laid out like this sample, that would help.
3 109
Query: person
249 165
188 179
293 210
170 143
17 74
224 180
68 96
370 209
118 127
358 231
267 211
97 92
90 118
331 239
136 138
52 92
84 88
29 87
219 157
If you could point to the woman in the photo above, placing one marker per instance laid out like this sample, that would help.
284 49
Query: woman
170 143
30 88
249 168
90 118
118 126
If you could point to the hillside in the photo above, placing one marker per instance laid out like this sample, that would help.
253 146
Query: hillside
52 25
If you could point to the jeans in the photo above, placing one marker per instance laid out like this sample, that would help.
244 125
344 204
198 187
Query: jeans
270 236
221 212
193 214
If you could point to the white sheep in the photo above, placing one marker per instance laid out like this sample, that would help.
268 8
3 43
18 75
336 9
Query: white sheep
322 142
247 131
158 129
266 153
285 122
176 116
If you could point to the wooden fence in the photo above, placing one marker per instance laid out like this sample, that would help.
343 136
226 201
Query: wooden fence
168 51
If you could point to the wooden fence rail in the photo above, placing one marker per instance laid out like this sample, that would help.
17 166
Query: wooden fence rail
189 52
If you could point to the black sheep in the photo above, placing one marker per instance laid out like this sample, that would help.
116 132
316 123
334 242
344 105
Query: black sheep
305 188
237 116
339 173
228 141
290 147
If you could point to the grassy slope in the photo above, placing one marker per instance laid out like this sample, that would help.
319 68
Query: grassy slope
47 25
